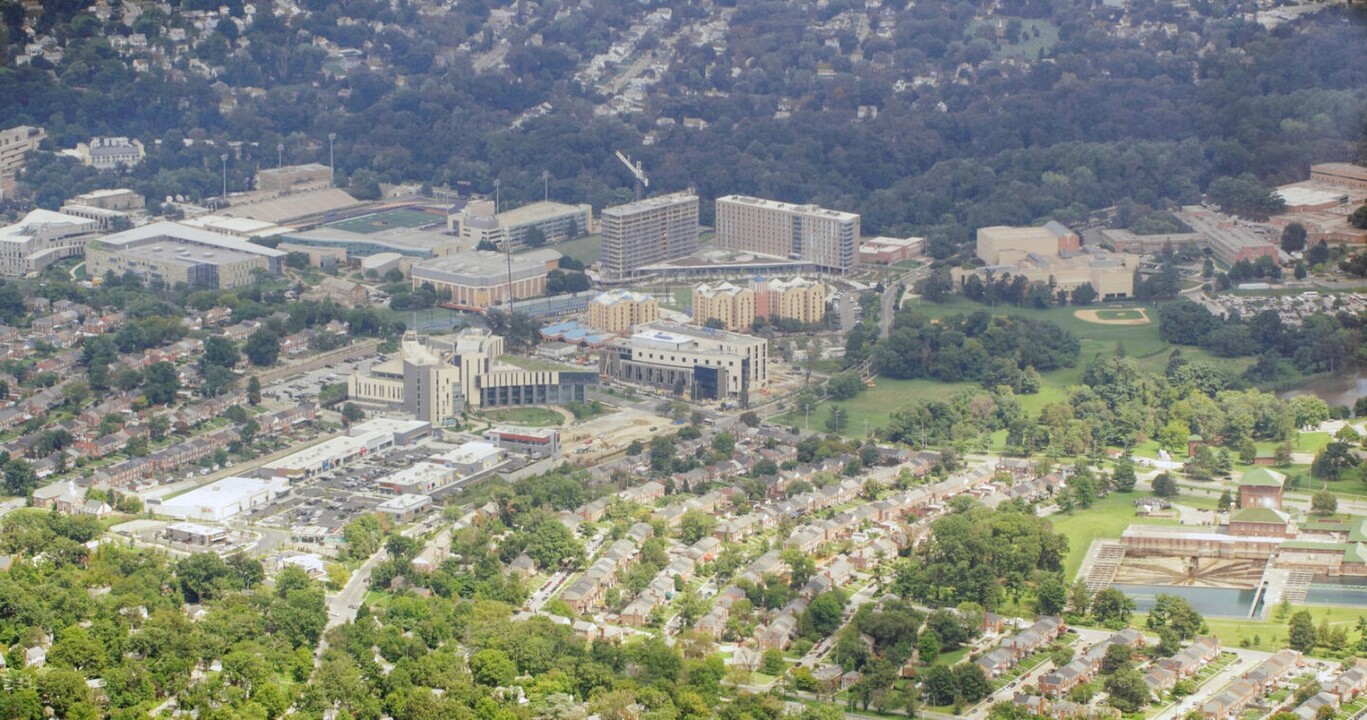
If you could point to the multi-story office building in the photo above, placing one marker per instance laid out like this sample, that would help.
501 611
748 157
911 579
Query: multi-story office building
42 238
618 311
648 231
827 238
480 279
701 363
730 305
15 143
168 253
435 379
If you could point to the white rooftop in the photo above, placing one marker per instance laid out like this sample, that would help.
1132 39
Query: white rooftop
404 502
37 220
196 528
1298 195
393 426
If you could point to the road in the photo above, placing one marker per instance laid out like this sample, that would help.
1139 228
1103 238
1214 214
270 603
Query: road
342 606
557 580
887 311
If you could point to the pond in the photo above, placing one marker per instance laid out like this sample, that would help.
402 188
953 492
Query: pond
1347 591
1341 389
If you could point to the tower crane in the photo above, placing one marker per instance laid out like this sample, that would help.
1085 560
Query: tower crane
642 182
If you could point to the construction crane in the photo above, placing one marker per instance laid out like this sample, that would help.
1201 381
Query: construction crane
642 182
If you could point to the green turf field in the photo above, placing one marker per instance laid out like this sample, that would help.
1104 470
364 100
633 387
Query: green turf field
387 220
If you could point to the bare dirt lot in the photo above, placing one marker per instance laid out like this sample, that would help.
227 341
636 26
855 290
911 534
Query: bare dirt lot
1135 316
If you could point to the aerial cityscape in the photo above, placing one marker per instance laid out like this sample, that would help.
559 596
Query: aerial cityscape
683 359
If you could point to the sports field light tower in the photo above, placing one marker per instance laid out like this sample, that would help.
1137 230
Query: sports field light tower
642 182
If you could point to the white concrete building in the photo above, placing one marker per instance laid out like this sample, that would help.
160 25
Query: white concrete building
222 500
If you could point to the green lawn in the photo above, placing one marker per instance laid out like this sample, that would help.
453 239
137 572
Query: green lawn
388 220
530 416
1271 634
1106 518
1028 45
587 249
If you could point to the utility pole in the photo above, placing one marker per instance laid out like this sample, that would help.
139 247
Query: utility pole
498 184
332 162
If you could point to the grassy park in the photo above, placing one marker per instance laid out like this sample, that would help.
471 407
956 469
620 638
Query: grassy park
1106 518
529 416
876 404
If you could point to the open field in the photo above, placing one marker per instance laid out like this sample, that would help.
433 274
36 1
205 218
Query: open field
1106 518
1271 634
387 220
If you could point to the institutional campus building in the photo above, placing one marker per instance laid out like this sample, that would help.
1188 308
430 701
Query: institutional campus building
702 363
827 238
618 311
647 232
1052 254
480 279
15 143
479 222
736 307
169 253
435 379
42 238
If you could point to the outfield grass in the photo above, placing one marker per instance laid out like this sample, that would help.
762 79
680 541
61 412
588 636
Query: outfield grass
530 416
387 220
1106 518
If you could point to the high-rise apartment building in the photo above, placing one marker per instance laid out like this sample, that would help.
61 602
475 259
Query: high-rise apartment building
828 239
648 231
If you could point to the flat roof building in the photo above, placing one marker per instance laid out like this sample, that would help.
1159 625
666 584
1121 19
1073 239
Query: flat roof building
405 507
329 454
435 379
188 533
169 253
477 222
110 153
222 500
42 238
646 232
705 363
731 306
1346 174
472 458
544 442
827 238
419 478
479 279
1051 254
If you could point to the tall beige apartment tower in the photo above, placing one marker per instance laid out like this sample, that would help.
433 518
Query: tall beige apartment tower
648 231
829 239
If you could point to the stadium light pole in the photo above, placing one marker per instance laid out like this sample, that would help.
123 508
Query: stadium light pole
279 155
332 165
224 158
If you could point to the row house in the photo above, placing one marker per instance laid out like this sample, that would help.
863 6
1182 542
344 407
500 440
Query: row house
738 528
1274 669
298 343
1159 680
1229 701
714 621
1085 666
657 593
1187 661
1310 709
102 324
241 331
587 592
1018 646
778 634
643 494
879 550
287 419
103 446
1351 683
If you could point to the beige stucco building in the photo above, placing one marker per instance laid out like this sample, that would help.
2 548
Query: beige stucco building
731 305
168 253
1051 254
480 279
618 311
